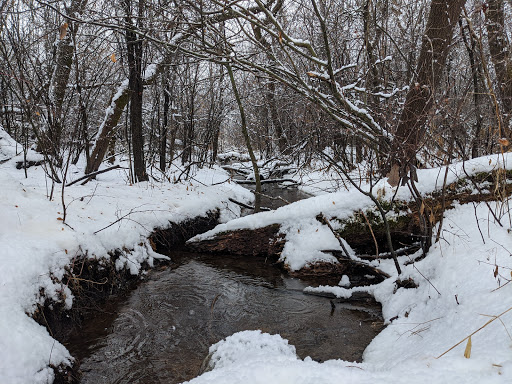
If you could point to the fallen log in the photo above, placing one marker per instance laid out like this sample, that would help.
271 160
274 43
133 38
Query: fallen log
266 241
413 248
362 232
235 170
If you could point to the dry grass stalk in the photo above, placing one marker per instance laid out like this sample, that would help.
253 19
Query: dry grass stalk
478 330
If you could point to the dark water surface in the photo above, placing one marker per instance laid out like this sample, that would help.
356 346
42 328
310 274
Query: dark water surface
161 332
276 195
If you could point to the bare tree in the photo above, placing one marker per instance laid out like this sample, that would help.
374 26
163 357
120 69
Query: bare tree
134 47
442 19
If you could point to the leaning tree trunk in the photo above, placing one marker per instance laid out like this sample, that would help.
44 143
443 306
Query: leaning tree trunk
64 52
245 132
443 17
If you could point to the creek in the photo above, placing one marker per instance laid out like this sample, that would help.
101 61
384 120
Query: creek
161 331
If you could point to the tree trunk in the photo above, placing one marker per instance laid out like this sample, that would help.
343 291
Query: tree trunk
443 16
64 51
501 57
270 92
163 131
476 75
245 132
134 50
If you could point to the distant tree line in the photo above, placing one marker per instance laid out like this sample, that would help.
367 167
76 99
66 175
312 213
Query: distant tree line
403 83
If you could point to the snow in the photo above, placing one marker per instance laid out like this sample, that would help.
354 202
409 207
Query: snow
345 281
250 346
36 246
303 240
150 71
11 150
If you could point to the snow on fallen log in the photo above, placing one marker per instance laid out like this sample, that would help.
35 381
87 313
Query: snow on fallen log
303 240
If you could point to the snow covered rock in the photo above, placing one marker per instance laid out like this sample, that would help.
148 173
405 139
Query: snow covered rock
248 347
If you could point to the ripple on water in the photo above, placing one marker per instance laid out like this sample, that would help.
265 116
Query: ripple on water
163 330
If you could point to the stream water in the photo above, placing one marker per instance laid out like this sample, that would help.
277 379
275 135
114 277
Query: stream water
275 196
161 332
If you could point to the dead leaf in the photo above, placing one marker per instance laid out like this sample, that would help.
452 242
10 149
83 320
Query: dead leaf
394 175
280 37
467 351
422 208
62 30
503 141
496 272
66 251
113 57
60 219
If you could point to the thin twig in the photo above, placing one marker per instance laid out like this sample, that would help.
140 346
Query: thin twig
92 174
243 205
373 235
321 217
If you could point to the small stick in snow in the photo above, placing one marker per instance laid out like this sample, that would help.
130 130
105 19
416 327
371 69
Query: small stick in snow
373 236
243 205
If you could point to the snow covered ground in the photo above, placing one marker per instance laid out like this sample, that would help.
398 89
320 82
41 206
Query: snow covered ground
463 288
36 246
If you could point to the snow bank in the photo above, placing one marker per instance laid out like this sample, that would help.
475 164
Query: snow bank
11 150
103 215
